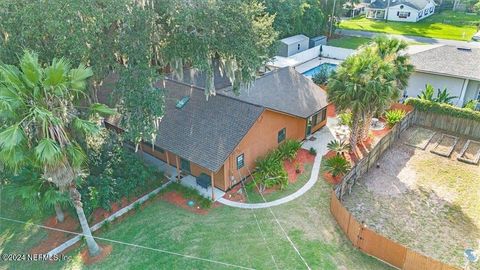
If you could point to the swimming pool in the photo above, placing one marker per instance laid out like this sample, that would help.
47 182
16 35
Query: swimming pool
311 72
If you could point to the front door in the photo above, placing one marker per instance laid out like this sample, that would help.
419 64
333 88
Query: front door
309 127
185 165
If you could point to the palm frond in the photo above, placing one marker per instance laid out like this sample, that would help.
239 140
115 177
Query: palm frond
101 109
85 126
48 151
11 137
32 72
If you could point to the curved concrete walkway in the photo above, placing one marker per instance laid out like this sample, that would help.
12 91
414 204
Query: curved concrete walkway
323 136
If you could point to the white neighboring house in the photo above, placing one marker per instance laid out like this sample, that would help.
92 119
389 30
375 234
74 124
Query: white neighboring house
456 69
400 10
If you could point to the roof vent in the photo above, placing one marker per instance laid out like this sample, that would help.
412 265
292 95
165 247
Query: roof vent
464 49
182 102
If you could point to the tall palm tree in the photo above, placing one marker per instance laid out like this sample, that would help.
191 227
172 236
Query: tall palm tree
390 50
355 84
42 124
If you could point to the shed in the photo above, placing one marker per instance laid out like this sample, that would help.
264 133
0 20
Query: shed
316 41
292 45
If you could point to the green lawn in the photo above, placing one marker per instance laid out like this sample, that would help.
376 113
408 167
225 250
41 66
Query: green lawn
348 42
444 25
225 234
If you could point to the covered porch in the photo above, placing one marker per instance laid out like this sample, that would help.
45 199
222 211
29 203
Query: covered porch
187 180
376 14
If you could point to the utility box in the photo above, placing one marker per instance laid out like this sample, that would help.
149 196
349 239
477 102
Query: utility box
292 45
316 41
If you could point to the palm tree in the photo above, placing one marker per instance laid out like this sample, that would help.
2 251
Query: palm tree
337 165
339 147
355 85
36 194
427 93
443 96
43 124
395 80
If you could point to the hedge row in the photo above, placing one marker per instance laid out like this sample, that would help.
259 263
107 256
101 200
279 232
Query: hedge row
443 108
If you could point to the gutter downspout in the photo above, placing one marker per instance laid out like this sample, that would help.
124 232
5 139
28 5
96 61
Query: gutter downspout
461 99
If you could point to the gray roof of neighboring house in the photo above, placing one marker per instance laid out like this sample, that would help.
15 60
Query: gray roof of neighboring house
293 39
204 132
416 4
449 61
284 90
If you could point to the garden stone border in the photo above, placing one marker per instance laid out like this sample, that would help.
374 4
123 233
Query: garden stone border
115 215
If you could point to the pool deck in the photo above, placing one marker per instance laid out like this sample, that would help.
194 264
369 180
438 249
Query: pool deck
316 62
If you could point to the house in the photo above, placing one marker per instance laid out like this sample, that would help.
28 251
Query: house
400 10
450 67
292 45
223 137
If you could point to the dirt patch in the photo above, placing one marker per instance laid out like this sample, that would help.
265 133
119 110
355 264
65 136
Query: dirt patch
176 198
56 238
236 194
424 201
87 259
472 150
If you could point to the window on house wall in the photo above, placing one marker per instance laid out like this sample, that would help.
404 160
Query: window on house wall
403 14
319 117
426 12
420 14
240 161
298 46
431 10
281 135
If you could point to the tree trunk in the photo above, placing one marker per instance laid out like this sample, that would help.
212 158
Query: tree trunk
366 125
355 130
59 212
93 248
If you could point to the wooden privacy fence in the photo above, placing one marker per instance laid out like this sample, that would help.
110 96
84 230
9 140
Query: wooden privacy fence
363 165
467 127
380 247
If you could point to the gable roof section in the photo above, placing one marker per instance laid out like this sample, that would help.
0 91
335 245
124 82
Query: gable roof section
449 61
284 90
416 4
204 132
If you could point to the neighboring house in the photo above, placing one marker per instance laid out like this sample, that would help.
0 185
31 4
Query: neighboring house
292 45
456 69
224 136
400 10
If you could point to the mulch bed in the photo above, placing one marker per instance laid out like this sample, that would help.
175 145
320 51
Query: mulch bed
87 259
331 111
303 157
56 238
176 198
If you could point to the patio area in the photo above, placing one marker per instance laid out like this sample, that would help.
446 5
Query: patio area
188 180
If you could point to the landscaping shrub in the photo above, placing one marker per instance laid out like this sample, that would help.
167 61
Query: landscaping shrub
471 105
394 116
443 108
339 147
337 165
270 172
345 119
312 151
288 150
115 172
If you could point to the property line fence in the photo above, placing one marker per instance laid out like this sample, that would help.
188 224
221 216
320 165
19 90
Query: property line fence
379 246
467 127
365 239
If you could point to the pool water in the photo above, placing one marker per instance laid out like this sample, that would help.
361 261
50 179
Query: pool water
311 72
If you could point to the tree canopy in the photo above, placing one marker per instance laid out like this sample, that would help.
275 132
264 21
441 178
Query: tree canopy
141 40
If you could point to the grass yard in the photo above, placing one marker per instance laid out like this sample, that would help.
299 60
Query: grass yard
444 25
424 201
225 234
348 42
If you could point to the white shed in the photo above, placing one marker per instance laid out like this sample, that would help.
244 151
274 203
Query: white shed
292 45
